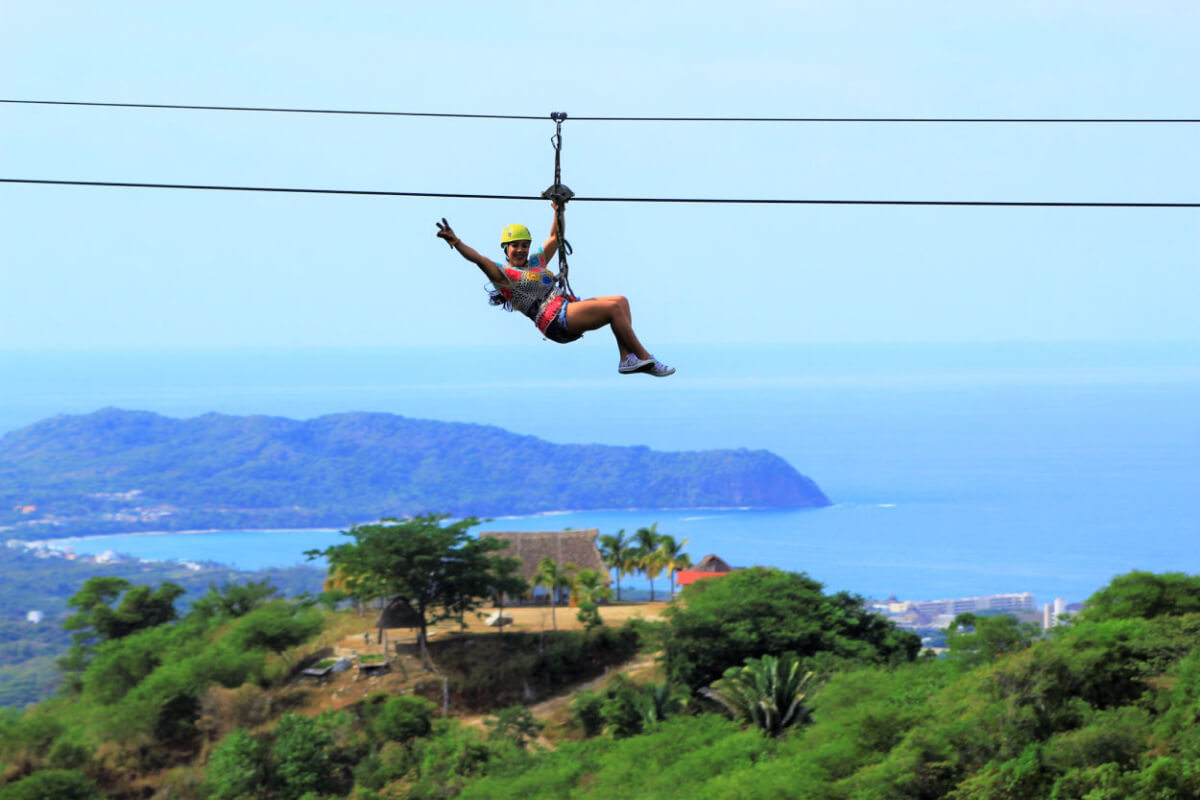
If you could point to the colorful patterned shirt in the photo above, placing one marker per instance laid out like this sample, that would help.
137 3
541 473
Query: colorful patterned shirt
532 290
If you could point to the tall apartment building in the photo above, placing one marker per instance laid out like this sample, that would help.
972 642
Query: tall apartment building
1052 611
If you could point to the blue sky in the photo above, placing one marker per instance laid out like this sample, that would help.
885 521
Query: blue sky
100 267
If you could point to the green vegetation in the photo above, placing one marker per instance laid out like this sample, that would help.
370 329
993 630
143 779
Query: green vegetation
202 705
619 555
755 612
115 471
1104 709
768 693
439 571
589 591
648 552
554 579
30 651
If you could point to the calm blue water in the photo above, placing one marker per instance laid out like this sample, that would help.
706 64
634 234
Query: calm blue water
956 470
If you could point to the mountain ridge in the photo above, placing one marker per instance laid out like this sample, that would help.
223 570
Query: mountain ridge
139 470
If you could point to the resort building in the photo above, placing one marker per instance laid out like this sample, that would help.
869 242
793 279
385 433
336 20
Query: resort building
931 609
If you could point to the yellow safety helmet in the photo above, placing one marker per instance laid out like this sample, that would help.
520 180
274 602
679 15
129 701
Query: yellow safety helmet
515 233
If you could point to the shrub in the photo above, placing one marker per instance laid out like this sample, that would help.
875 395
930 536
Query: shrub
402 718
586 713
237 768
755 612
59 784
515 724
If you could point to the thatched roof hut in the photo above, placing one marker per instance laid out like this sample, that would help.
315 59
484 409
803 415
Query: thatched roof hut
398 614
711 563
576 547
711 566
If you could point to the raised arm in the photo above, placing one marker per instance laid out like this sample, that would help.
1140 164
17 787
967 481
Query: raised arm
469 253
551 245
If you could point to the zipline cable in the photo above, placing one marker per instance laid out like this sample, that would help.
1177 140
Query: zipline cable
578 199
534 117
349 112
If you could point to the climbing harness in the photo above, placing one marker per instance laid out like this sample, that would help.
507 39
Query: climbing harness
532 291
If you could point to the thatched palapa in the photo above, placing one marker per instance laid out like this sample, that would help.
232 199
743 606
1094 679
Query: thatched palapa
712 563
398 614
576 547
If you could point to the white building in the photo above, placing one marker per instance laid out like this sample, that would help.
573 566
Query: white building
962 605
1051 612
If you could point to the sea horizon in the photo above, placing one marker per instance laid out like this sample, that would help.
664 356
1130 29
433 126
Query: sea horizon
955 470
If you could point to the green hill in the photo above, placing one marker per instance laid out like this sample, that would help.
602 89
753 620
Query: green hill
117 470
214 705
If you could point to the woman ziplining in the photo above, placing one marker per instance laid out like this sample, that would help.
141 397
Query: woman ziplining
524 284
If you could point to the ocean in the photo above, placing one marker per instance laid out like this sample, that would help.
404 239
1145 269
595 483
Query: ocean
955 470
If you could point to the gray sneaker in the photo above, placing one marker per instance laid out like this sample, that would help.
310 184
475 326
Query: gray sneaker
659 369
633 364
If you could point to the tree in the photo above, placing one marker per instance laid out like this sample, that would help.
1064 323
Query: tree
673 558
340 585
507 583
975 639
619 554
233 600
237 768
649 557
96 620
514 724
402 718
767 692
554 579
589 591
439 570
1145 595
278 626
302 758
755 612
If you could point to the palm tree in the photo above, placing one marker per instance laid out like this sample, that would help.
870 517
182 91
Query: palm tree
554 578
652 564
588 587
768 693
673 557
618 553
589 591
646 557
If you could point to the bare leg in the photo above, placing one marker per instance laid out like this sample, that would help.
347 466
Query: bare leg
590 315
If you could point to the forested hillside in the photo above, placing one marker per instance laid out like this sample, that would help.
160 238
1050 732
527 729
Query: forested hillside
833 704
33 608
117 470
766 687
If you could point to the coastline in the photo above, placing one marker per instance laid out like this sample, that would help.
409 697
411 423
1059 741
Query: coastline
50 543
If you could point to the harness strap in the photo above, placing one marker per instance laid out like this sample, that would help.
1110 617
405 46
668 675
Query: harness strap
559 194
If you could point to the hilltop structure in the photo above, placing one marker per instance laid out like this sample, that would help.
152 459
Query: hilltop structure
576 547
711 566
